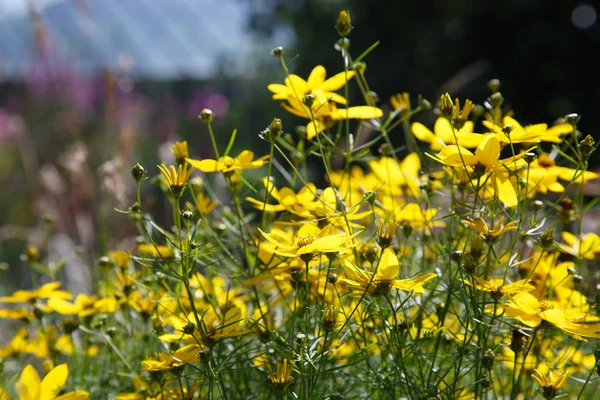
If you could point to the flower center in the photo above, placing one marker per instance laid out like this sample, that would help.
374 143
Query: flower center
305 240
228 162
546 305
545 161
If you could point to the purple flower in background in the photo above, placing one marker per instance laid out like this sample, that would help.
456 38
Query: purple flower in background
204 98
52 76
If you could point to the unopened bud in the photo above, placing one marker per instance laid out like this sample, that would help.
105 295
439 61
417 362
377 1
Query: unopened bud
308 100
572 118
206 116
446 106
277 51
587 146
32 254
487 359
546 241
138 172
530 157
493 85
496 100
343 25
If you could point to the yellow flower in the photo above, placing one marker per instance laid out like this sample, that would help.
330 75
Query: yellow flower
176 178
149 249
310 242
400 102
528 134
204 203
360 280
296 87
300 203
166 361
444 134
283 374
180 151
497 288
549 387
228 165
47 291
326 113
486 166
30 387
490 236
588 246
530 311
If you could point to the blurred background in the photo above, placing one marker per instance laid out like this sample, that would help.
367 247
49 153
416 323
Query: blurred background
90 87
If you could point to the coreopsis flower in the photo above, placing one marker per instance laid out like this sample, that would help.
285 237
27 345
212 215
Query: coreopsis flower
542 175
176 178
310 241
530 311
229 165
31 387
46 291
485 163
326 113
204 203
549 387
528 134
397 178
168 361
497 288
180 152
490 236
17 346
154 250
588 246
360 280
214 326
296 87
299 203
444 134
401 103
282 376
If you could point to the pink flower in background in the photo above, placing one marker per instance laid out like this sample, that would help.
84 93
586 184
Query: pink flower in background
10 125
204 98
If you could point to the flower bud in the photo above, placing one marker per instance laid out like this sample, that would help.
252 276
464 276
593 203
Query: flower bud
343 25
330 317
572 118
446 106
32 254
308 100
273 131
138 172
587 146
277 51
180 152
493 85
517 341
206 116
188 329
530 157
487 359
546 241
496 100
332 278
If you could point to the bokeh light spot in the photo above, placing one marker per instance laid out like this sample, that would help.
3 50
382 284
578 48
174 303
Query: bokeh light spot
584 16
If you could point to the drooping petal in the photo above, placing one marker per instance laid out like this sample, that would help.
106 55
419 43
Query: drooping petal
414 284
